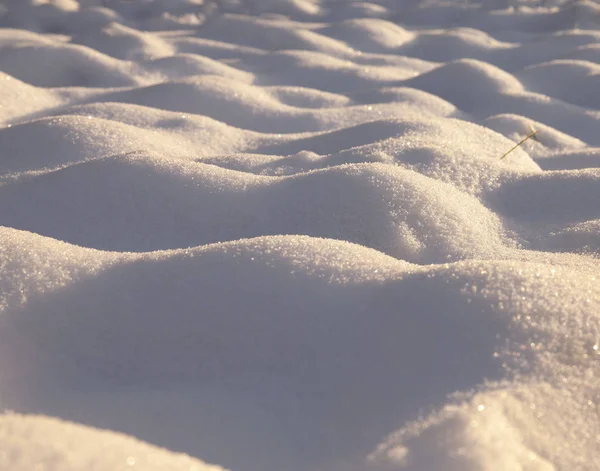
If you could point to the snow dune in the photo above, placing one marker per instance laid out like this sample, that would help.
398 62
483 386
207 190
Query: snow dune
279 235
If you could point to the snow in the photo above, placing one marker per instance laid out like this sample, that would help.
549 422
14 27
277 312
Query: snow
37 442
280 235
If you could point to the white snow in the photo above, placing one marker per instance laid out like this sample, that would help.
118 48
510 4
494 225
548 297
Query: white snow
279 235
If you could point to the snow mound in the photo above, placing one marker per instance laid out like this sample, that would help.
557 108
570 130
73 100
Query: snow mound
65 65
571 80
30 442
486 82
370 35
507 428
125 43
20 98
153 203
292 294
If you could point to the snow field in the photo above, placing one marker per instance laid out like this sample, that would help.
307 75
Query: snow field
278 235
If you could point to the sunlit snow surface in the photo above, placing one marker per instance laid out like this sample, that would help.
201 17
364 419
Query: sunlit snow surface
277 235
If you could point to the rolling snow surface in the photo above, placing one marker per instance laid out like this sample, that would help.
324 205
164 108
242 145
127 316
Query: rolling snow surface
279 235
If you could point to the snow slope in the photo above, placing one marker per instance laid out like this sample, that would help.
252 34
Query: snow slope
279 234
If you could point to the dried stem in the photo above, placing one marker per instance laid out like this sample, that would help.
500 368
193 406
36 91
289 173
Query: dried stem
529 136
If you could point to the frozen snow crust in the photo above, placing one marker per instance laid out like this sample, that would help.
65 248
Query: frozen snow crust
278 235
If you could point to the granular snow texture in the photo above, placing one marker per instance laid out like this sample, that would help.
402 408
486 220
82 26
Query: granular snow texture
279 235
